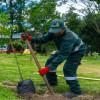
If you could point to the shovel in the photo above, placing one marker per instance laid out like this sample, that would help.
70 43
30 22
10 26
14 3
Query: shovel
39 67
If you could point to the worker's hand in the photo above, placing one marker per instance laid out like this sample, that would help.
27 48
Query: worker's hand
44 71
26 37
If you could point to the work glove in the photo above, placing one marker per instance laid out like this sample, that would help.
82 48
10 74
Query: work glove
44 71
26 37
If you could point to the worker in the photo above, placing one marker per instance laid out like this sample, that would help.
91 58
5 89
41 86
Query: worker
70 48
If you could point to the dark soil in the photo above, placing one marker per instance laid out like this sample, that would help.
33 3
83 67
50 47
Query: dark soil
30 96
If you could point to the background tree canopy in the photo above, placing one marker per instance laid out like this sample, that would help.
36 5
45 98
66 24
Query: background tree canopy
42 14
39 14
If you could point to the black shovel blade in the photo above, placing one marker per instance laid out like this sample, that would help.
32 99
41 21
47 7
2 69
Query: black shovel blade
25 86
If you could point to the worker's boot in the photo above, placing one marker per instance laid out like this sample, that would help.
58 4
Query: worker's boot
74 86
69 95
52 78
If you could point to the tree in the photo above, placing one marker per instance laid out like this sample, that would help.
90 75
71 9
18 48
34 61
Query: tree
10 19
4 28
91 30
90 33
88 27
42 14
73 21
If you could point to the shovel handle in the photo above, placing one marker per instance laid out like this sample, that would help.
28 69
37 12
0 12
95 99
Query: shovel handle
39 67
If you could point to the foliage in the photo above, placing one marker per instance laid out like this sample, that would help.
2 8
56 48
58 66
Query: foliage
88 27
73 21
4 29
98 1
91 32
42 14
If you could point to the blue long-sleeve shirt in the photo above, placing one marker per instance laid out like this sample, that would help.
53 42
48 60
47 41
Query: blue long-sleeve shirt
66 44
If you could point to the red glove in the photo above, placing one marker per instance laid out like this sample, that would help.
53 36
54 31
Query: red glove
44 71
26 36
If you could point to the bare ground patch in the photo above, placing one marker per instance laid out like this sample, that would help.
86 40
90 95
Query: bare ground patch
30 96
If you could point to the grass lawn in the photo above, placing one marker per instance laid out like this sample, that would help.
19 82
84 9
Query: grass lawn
90 67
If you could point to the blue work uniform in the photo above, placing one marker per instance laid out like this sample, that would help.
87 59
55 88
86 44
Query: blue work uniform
71 49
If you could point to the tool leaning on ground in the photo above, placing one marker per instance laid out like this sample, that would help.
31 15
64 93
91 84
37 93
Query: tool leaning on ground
23 86
41 71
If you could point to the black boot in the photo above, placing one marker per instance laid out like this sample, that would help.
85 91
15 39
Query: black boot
70 95
52 78
74 86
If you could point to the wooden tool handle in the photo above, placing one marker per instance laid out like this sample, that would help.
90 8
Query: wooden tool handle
39 67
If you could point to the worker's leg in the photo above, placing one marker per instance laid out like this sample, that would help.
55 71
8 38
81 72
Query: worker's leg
70 72
51 76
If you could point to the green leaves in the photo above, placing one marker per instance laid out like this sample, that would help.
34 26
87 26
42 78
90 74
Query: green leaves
98 1
42 14
3 18
4 28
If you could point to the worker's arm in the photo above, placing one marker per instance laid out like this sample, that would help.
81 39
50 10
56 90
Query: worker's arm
43 39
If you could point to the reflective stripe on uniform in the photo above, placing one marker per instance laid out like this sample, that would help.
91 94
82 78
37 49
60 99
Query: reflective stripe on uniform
70 78
52 71
78 47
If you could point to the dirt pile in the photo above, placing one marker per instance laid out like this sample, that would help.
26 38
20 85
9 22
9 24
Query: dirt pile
44 97
58 97
84 97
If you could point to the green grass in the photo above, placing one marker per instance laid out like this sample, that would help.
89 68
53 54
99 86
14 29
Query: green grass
90 67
